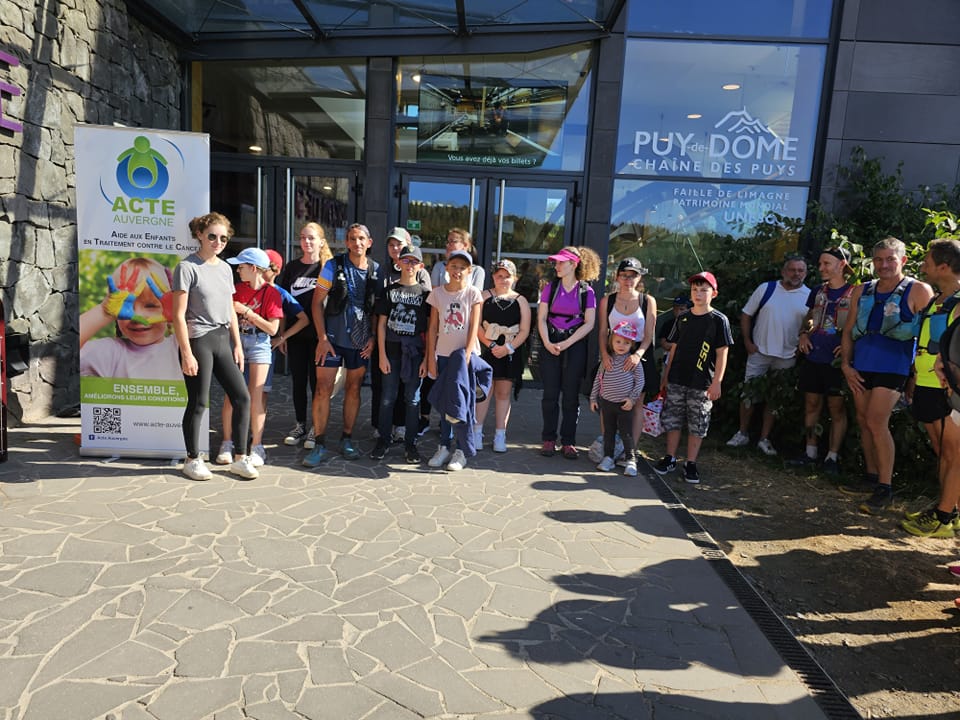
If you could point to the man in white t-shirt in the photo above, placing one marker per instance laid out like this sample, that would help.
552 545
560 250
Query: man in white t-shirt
770 324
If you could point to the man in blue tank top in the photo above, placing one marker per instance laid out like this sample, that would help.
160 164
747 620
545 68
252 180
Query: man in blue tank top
876 353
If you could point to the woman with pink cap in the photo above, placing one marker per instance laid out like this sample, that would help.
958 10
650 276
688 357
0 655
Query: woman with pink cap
565 317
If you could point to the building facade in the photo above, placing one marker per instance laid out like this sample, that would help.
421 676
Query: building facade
653 129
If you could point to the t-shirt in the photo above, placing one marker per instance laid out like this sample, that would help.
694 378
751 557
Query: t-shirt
406 309
209 288
265 302
454 309
338 327
567 303
291 308
826 338
300 279
120 358
697 338
776 329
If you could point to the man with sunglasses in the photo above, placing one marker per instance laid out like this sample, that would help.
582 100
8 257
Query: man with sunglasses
348 282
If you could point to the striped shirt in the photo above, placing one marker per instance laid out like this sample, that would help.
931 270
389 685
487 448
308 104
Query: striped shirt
616 385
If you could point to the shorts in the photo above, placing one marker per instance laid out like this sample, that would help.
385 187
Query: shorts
930 404
686 403
891 381
256 348
268 383
348 358
820 379
758 364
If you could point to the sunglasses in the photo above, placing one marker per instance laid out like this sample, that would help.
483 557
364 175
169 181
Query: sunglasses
213 237
409 261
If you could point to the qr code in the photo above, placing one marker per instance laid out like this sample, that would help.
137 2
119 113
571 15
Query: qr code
106 421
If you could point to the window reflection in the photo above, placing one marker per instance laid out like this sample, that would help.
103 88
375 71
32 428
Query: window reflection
522 111
308 109
743 18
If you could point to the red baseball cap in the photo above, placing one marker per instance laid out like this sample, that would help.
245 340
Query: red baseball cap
706 277
276 259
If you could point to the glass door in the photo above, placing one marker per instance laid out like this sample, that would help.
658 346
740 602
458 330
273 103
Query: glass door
313 197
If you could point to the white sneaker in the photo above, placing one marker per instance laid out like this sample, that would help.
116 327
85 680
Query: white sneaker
294 437
738 440
478 437
606 464
196 469
439 458
457 461
500 441
766 447
225 456
258 456
243 468
631 468
310 441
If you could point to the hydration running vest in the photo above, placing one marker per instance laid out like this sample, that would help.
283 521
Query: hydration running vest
929 340
840 314
894 325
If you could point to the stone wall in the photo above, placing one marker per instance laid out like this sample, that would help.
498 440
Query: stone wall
80 61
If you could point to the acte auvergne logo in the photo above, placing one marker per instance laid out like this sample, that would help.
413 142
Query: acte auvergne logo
142 171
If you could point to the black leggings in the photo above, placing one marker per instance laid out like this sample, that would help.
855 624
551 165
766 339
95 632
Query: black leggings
214 356
616 418
301 356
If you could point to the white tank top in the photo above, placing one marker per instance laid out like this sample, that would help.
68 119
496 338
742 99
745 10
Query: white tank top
635 318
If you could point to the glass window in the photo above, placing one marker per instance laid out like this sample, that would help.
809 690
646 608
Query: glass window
525 111
744 18
730 111
672 225
304 109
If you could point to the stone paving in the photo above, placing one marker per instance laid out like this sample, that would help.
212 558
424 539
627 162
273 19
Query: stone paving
521 587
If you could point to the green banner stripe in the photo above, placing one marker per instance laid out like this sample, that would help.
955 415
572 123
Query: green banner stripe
124 391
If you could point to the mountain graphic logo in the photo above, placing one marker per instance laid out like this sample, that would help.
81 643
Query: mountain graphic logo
739 122
142 171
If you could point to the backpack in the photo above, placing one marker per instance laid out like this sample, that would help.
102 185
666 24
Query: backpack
582 295
337 297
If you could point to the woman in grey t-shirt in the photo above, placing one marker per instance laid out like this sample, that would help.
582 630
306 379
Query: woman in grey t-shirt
208 334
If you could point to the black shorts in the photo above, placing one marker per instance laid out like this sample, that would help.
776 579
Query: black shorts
819 379
891 381
929 404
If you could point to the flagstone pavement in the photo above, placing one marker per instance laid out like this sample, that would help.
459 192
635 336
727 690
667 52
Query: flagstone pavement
520 587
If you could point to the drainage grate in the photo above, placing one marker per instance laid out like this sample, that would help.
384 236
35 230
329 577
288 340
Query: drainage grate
827 695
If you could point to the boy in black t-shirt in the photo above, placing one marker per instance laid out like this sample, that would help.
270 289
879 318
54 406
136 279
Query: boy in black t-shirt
402 316
694 369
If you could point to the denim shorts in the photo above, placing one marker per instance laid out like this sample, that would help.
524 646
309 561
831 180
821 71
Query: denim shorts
256 348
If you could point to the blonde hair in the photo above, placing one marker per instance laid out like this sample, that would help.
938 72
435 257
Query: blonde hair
464 236
325 252
200 223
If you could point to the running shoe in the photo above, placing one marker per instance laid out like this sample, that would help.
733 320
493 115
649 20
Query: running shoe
690 473
881 499
666 464
316 457
928 525
766 447
738 440
348 450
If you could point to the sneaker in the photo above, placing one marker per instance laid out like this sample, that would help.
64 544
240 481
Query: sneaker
690 473
666 465
500 441
802 460
570 452
424 426
831 467
294 437
930 509
864 486
412 456
196 469
881 499
348 450
310 441
766 447
243 469
379 450
478 438
631 468
399 435
548 448
439 458
606 464
225 456
457 461
258 456
928 525
315 457
738 440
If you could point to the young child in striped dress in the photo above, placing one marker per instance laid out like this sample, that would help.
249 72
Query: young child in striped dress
614 394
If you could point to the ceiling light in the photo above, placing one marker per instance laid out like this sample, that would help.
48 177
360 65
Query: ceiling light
415 77
328 187
731 86
255 148
694 116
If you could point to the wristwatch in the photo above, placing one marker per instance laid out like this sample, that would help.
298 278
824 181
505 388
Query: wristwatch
492 345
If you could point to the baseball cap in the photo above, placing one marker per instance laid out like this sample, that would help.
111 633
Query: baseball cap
410 251
631 265
276 259
254 256
504 264
565 254
462 254
682 300
627 330
707 277
400 234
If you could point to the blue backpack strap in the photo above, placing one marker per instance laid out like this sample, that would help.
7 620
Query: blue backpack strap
767 294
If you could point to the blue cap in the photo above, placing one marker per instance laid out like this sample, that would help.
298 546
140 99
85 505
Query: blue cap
254 256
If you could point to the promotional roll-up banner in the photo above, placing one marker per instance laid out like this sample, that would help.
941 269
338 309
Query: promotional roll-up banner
137 190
